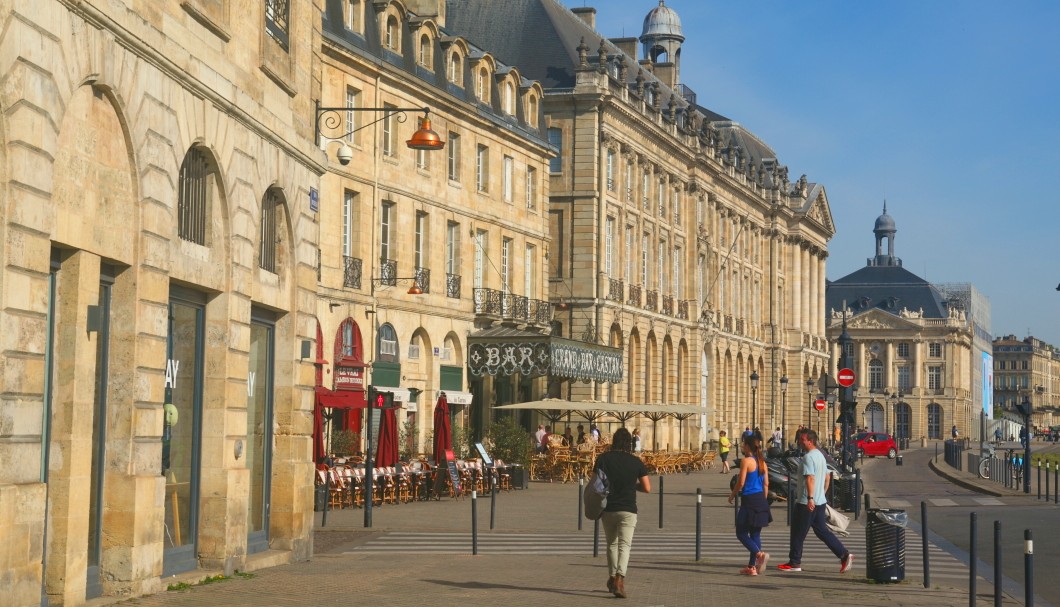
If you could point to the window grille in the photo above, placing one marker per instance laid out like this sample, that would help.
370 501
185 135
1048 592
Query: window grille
192 205
277 20
269 233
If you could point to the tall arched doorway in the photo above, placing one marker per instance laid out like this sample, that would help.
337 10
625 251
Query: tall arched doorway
903 414
934 420
875 420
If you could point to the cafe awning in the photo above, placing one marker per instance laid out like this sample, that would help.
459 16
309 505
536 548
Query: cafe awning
340 399
504 350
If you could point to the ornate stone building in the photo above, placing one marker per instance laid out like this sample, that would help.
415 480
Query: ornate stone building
917 364
1027 368
467 224
158 280
677 235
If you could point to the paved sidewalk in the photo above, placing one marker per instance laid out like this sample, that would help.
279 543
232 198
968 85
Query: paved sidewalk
420 553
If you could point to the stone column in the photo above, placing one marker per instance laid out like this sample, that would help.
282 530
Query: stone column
796 282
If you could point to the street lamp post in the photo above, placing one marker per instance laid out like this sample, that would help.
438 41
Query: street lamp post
754 399
809 395
783 409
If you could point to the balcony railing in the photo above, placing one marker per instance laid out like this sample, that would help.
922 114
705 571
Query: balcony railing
727 324
682 309
634 295
740 326
351 274
388 272
651 300
452 286
668 305
615 291
423 279
508 306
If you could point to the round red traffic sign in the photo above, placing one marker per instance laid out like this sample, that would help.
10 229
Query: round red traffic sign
845 377
820 404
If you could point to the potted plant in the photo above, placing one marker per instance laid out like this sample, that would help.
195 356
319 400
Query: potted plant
344 442
509 442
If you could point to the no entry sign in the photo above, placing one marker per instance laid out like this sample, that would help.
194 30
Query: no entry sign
820 404
845 377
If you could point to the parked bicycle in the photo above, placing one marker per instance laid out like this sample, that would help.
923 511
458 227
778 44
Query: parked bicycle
1015 463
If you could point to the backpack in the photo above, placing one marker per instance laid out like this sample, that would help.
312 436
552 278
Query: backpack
594 497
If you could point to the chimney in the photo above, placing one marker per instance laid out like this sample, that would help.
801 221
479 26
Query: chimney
666 73
586 14
627 46
428 8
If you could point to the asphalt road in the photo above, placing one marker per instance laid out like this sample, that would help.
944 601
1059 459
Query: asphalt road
949 508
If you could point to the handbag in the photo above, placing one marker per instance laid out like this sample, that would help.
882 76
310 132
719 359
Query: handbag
594 497
836 520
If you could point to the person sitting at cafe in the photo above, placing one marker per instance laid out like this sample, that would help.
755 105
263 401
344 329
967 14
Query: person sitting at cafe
544 439
568 438
581 434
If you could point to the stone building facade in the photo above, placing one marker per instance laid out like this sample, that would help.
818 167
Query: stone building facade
467 223
1027 368
917 367
677 235
158 280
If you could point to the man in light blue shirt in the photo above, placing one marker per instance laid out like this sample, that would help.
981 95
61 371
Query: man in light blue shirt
810 505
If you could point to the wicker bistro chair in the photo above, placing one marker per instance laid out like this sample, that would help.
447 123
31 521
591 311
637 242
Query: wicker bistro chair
503 475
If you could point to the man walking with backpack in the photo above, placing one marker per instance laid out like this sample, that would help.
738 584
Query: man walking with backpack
812 485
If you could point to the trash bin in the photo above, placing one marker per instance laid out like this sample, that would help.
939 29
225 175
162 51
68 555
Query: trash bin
885 544
903 444
846 494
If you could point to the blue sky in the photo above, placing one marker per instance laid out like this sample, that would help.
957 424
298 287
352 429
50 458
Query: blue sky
946 109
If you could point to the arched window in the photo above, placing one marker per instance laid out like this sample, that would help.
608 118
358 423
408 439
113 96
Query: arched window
482 85
425 51
270 231
388 344
456 69
193 198
531 110
348 345
509 98
393 34
934 420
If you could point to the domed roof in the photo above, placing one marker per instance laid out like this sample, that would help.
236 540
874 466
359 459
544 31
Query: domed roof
885 223
662 21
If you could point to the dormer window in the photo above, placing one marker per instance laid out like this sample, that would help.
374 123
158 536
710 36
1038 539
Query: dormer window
508 98
482 85
531 110
425 51
393 34
456 69
355 16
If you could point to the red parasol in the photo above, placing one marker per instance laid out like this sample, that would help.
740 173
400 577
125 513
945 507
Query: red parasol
387 453
443 432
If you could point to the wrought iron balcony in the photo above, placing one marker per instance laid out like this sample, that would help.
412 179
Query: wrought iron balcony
615 290
388 272
452 286
423 279
668 305
727 324
651 300
508 306
740 326
351 274
682 309
634 295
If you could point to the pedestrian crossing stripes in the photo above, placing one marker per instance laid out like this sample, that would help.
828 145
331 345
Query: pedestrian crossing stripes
716 546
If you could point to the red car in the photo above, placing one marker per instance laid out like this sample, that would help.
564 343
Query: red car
876 443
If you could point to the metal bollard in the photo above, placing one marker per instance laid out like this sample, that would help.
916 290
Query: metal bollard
699 520
1028 569
661 501
1056 484
868 503
973 561
857 491
474 522
924 541
581 488
596 537
1040 481
1047 467
327 499
493 501
997 564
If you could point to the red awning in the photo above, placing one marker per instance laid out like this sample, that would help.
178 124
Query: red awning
341 399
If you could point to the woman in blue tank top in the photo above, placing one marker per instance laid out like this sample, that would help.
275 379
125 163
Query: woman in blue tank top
754 514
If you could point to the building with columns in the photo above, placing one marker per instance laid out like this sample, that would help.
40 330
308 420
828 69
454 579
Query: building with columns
677 236
1027 368
917 359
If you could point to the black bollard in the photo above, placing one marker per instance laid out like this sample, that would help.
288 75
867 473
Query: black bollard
661 501
596 538
327 498
699 520
868 503
474 522
924 541
1047 467
1028 569
857 491
581 483
997 563
493 501
1040 482
1056 484
973 561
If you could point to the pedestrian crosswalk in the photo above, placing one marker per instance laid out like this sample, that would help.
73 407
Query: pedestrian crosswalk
715 546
